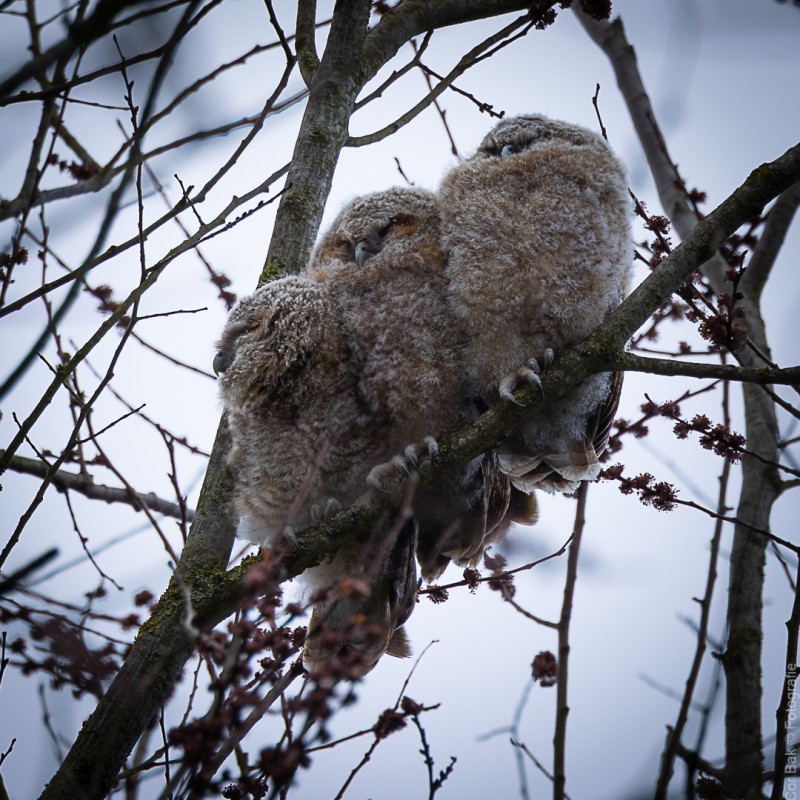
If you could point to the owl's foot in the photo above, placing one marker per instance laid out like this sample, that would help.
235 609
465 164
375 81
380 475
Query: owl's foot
405 463
288 534
321 512
525 375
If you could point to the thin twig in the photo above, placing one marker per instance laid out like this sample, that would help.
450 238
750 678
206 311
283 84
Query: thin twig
562 709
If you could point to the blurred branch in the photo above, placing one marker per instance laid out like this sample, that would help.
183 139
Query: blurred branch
562 709
113 205
769 245
10 582
80 35
84 484
675 733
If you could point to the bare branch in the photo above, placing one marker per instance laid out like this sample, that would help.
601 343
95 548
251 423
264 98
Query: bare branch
84 484
769 245
562 709
728 372
675 733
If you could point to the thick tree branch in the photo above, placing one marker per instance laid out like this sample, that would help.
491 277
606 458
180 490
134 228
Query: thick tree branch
159 652
336 82
307 58
85 485
769 245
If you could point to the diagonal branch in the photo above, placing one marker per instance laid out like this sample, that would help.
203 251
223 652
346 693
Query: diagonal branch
691 369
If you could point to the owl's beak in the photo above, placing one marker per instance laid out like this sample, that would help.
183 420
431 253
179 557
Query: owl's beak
219 366
362 252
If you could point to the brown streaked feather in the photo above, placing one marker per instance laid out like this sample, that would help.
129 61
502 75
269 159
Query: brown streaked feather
600 424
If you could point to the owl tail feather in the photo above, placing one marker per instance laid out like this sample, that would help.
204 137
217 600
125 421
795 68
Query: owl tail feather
552 472
399 645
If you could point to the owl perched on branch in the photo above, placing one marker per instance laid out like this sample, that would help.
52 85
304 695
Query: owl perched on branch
289 387
302 445
381 262
327 378
536 226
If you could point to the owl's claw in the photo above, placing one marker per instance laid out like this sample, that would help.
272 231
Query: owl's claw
332 506
406 463
427 447
319 513
516 379
288 534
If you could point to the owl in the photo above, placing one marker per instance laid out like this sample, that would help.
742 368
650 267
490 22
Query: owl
536 226
384 269
302 446
382 259
299 434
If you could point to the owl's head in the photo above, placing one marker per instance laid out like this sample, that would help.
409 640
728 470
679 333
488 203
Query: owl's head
532 131
369 224
268 334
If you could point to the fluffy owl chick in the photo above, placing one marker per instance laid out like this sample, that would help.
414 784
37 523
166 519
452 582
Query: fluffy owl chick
382 263
382 259
301 442
297 431
537 229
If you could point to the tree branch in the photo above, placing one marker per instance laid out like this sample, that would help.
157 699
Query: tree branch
84 484
691 369
562 707
769 245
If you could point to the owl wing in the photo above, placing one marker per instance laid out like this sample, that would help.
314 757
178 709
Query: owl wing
563 471
475 512
361 617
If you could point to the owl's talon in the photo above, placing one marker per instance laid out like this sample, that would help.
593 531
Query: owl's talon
432 446
320 512
515 380
401 464
378 474
288 534
332 506
411 455
413 452
548 356
507 394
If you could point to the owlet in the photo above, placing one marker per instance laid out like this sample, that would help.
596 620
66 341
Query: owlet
536 226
